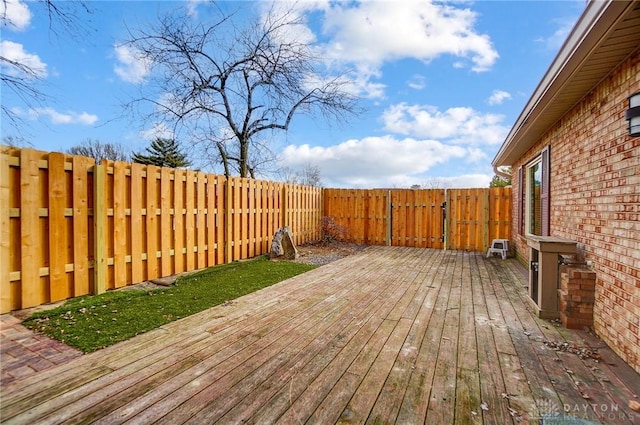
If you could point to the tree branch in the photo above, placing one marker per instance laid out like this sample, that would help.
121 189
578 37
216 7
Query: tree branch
243 80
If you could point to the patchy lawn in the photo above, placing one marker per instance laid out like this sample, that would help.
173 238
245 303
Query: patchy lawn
93 322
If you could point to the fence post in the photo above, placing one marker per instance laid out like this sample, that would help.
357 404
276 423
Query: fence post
485 219
5 243
322 213
389 218
100 223
447 217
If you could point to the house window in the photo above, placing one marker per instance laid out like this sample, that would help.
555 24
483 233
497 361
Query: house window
534 197
533 216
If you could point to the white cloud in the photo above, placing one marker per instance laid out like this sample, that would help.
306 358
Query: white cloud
380 31
15 14
192 7
357 38
131 68
373 161
476 155
460 125
417 82
291 11
69 117
356 83
30 65
86 118
159 130
498 96
464 181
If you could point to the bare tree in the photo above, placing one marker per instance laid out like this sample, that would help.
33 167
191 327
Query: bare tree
232 84
308 176
288 175
16 142
23 77
437 183
97 150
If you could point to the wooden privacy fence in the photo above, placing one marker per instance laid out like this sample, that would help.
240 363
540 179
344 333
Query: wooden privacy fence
398 217
461 219
71 227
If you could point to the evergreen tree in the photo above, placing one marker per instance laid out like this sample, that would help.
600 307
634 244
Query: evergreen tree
163 153
498 181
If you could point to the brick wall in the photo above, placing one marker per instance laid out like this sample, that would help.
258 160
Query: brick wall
577 297
595 200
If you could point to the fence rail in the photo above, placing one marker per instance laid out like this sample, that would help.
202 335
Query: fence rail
71 227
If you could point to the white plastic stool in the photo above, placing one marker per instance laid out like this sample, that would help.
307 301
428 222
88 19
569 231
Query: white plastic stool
499 246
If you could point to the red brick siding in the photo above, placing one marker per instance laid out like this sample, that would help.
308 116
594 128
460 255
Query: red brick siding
577 297
595 200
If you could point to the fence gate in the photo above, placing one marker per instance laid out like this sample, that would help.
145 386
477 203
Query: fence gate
417 218
477 216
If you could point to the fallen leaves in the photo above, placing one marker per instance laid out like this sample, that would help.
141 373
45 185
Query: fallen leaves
582 352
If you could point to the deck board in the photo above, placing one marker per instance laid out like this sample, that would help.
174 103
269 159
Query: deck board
390 335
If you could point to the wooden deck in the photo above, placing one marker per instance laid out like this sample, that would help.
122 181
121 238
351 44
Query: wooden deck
392 335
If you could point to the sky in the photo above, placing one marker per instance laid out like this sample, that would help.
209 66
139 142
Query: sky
439 83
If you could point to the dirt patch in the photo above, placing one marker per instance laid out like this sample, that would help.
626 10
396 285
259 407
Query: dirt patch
321 253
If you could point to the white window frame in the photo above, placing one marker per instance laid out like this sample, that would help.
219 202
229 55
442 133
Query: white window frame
528 193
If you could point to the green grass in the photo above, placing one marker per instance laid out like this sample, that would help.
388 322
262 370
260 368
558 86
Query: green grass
93 322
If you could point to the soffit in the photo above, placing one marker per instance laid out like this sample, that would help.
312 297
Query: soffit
605 35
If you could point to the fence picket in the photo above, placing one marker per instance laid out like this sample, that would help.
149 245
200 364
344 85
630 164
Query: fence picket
252 218
200 221
210 221
220 219
189 220
178 221
166 229
100 223
137 229
120 201
243 214
30 230
57 238
151 208
80 205
236 239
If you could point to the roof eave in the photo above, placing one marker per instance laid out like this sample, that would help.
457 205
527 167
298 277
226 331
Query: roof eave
594 24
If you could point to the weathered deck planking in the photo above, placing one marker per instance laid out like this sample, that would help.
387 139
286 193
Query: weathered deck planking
392 335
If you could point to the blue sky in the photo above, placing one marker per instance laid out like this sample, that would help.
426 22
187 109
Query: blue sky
441 83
